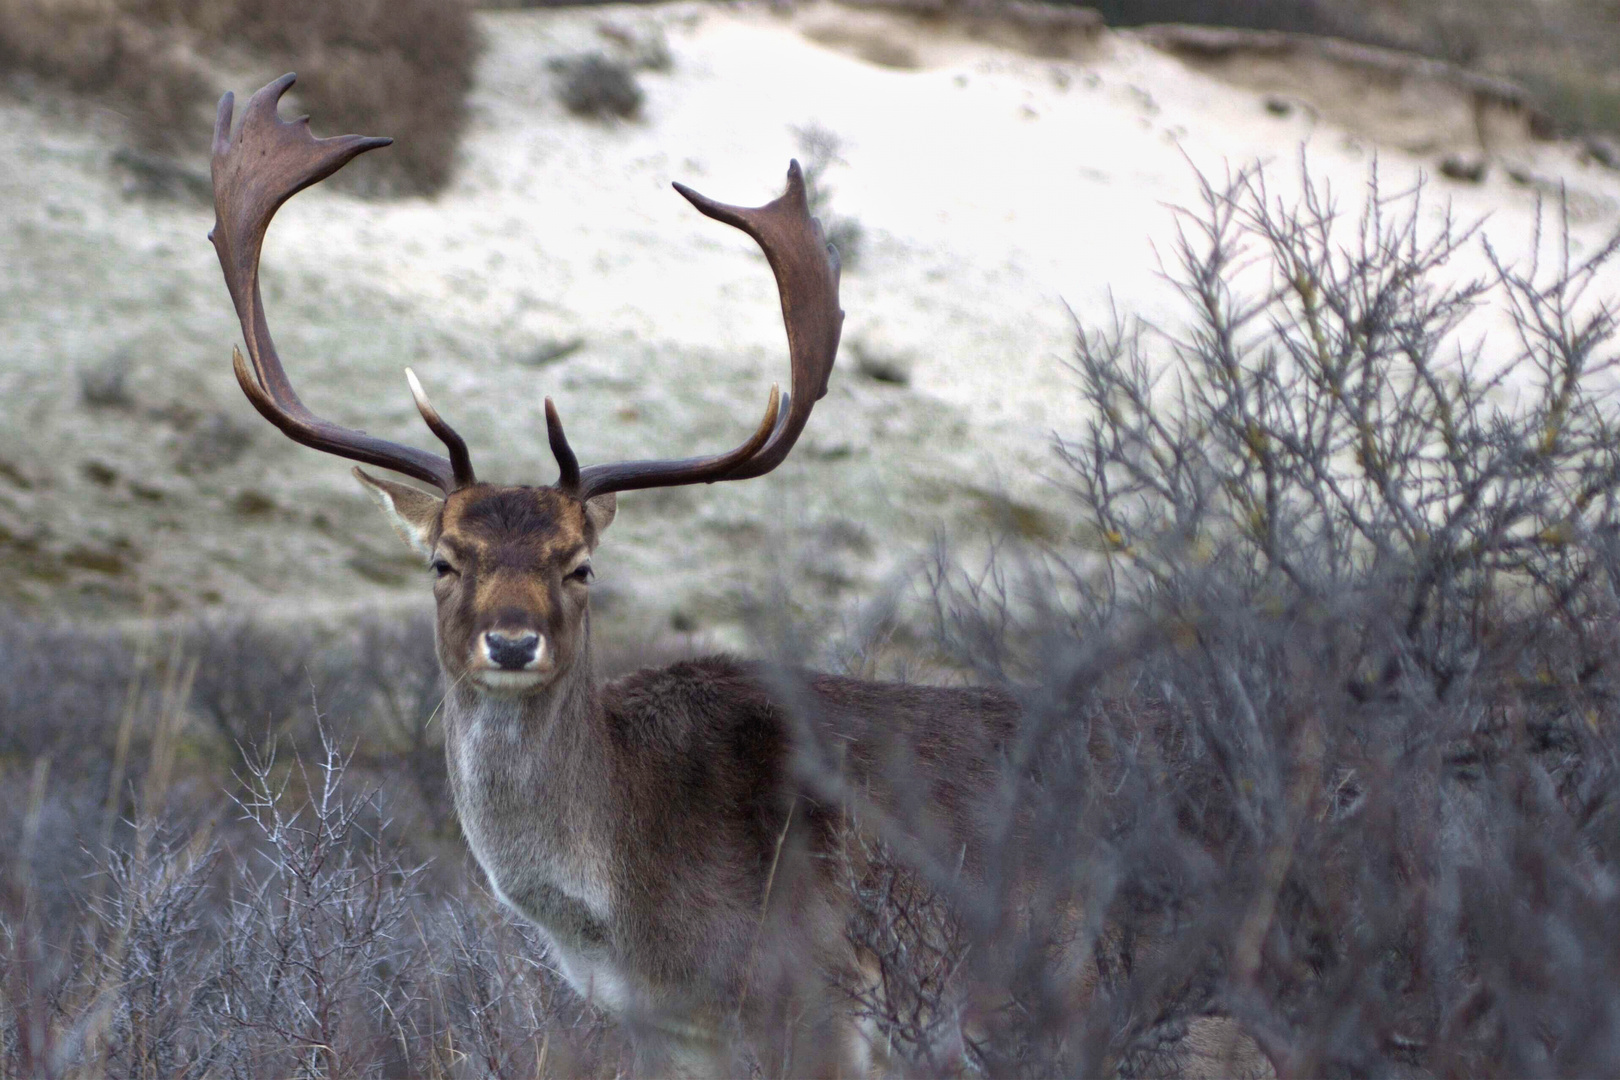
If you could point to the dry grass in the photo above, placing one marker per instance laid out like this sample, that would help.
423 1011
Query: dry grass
400 68
1562 51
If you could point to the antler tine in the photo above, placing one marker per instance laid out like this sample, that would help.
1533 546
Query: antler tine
567 463
460 461
807 270
628 475
267 162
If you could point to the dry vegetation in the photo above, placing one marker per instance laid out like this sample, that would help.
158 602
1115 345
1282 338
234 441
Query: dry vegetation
404 68
1321 735
401 68
206 884
1562 51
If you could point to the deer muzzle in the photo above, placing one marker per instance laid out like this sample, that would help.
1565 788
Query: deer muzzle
513 650
511 660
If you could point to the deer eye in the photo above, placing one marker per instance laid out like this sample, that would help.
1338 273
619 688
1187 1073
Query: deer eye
582 573
441 568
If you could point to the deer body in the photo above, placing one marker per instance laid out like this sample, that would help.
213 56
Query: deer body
582 818
579 804
679 834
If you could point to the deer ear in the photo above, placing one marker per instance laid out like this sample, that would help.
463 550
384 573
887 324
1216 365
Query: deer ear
412 512
600 512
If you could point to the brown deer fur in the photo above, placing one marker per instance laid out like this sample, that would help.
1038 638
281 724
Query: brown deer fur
641 822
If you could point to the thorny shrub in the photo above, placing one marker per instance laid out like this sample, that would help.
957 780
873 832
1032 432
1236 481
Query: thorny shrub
1320 724
160 917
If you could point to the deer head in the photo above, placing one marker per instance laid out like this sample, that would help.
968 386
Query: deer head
510 564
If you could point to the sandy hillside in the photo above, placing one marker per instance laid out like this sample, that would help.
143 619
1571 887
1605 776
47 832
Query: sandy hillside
994 186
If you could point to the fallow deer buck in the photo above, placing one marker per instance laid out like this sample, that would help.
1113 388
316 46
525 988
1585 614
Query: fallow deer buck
661 829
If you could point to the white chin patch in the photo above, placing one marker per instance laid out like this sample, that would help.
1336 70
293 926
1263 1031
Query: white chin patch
509 681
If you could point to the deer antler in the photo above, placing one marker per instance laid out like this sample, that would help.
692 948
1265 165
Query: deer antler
806 269
268 162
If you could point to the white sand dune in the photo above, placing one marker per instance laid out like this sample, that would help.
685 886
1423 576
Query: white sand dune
995 187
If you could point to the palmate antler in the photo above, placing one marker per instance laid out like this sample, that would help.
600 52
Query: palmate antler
269 160
806 269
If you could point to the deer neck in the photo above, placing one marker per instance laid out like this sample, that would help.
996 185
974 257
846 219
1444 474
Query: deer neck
531 777
561 722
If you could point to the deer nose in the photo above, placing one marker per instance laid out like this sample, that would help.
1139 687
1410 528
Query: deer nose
511 650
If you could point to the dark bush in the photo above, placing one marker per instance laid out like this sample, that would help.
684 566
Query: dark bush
1300 16
401 69
595 86
1562 53
113 51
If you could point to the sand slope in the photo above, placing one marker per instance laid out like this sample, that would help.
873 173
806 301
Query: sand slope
994 187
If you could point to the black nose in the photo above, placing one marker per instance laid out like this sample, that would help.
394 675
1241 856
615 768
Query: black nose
511 651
